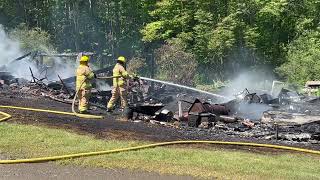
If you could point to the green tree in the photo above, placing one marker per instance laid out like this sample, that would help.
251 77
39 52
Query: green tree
303 59
33 39
224 36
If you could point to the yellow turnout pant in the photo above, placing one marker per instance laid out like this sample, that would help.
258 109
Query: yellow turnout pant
116 93
84 96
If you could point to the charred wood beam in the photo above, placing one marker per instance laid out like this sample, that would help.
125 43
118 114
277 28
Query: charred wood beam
32 75
67 101
60 100
64 86
186 101
38 81
21 57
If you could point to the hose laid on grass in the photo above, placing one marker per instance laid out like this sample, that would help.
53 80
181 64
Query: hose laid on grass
54 158
77 155
6 116
54 112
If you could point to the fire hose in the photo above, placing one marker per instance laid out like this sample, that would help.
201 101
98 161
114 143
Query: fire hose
77 155
89 116
6 116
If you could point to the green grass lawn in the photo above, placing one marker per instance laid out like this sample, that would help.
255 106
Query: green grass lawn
21 141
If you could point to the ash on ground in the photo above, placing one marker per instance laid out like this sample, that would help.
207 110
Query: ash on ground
287 116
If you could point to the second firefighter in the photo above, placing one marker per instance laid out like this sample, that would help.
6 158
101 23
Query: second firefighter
120 75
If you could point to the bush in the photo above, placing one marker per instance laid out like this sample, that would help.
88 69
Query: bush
303 59
136 65
216 85
174 64
32 39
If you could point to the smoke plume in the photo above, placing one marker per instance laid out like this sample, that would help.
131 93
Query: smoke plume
254 81
259 82
10 50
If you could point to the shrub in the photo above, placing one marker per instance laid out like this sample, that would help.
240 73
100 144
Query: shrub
136 65
174 64
303 59
33 39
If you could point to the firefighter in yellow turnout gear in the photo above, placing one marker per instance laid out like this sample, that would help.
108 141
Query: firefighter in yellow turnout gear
119 84
84 83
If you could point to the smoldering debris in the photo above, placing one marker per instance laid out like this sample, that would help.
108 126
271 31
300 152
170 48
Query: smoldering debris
287 117
254 115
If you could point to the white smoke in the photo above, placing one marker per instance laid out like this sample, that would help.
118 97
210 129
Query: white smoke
65 68
252 111
10 50
103 86
258 81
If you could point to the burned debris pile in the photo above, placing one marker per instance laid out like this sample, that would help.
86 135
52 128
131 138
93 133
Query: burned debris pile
62 90
287 116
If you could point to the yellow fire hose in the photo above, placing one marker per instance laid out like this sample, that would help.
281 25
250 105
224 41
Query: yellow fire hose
54 112
53 158
89 116
6 116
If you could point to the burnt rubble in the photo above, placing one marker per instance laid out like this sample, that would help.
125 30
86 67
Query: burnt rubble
287 117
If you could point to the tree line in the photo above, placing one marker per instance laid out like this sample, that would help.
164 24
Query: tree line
217 38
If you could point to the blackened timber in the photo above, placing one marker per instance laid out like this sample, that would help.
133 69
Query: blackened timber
34 78
64 86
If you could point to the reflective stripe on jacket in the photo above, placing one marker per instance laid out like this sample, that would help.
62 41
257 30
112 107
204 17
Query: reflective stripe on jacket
119 70
84 73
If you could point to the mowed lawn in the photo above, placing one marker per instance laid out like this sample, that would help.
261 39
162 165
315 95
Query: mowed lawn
25 141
